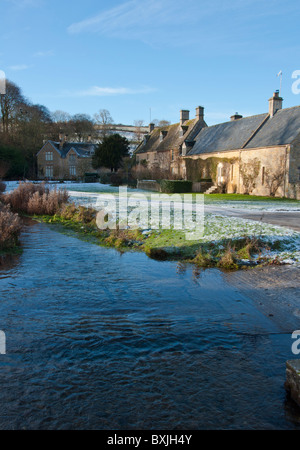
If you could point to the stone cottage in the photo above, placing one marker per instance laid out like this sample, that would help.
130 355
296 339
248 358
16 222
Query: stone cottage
65 160
259 155
163 146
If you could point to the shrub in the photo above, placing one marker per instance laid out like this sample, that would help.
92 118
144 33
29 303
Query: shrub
175 186
10 228
104 178
116 179
37 199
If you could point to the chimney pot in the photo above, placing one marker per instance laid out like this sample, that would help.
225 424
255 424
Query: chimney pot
275 103
184 116
236 116
200 113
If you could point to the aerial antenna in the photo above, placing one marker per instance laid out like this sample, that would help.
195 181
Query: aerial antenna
280 75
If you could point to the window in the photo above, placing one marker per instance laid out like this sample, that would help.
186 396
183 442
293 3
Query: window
72 170
263 176
49 171
172 155
72 159
232 168
49 156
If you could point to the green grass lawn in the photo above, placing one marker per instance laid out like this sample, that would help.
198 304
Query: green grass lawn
245 198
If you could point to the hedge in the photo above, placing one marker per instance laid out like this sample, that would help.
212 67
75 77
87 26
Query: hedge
175 186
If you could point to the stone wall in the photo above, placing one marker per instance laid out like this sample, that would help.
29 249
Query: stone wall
149 185
292 383
273 161
202 186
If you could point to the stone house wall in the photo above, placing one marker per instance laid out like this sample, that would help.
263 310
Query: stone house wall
273 162
61 166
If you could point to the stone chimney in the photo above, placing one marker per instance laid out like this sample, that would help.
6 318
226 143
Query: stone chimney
200 113
275 103
184 116
151 127
235 116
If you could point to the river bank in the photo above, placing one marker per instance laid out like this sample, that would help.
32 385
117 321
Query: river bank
226 238
234 248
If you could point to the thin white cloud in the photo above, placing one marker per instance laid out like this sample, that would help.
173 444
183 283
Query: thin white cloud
43 54
96 91
136 17
158 22
19 67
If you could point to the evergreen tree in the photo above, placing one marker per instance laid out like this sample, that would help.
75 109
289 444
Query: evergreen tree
111 152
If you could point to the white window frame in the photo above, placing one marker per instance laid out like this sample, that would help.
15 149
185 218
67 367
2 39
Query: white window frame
72 171
49 156
49 172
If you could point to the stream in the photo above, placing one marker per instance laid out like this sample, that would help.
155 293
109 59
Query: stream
97 339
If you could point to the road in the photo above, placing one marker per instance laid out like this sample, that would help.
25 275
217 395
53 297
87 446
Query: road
289 219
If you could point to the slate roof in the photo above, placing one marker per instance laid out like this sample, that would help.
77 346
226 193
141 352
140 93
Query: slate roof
174 138
226 136
82 149
249 132
281 129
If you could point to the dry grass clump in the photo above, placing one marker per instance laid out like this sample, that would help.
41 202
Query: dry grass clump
123 238
228 259
78 214
10 228
36 199
204 259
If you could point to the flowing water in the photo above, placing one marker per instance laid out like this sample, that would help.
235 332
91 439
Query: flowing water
102 340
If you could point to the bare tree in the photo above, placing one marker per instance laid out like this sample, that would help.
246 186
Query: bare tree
161 123
10 103
249 172
60 116
104 120
275 177
82 127
138 134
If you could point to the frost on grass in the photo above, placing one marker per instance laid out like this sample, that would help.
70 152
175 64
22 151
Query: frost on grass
284 243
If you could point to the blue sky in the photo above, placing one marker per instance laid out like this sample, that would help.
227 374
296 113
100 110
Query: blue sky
164 55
